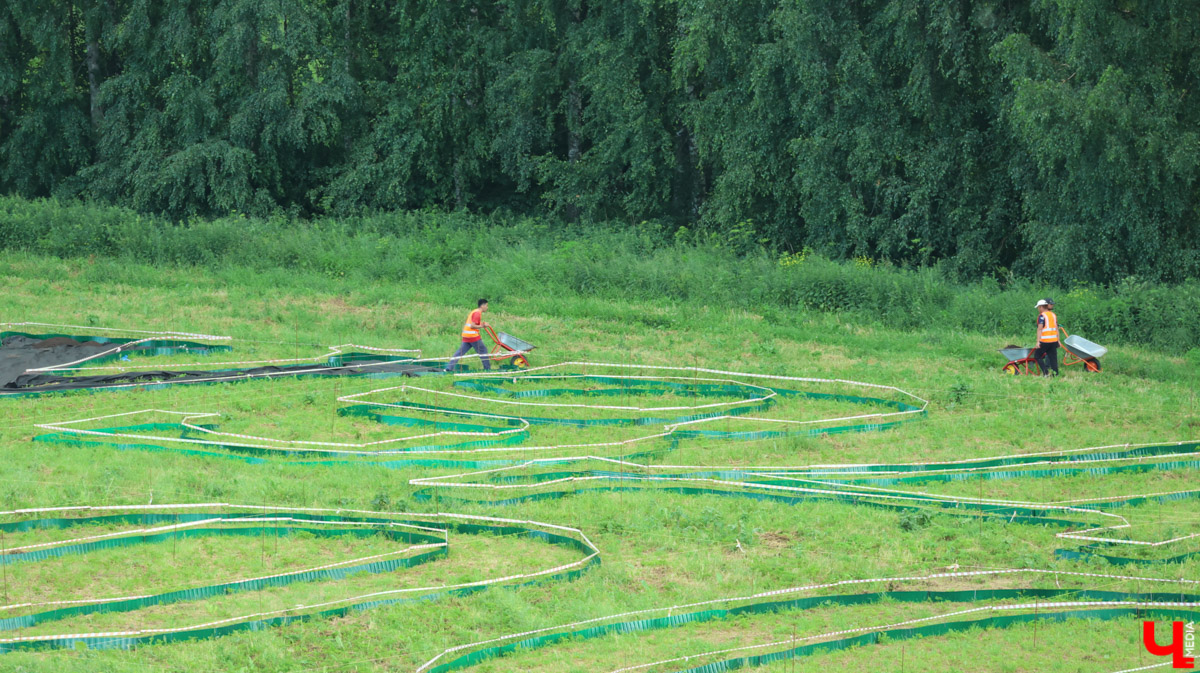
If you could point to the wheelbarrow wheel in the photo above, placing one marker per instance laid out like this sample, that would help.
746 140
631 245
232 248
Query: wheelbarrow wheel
1092 364
1011 369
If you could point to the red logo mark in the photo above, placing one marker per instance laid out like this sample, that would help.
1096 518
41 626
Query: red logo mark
1180 647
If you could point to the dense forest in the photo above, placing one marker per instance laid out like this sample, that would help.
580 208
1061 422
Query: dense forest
1054 139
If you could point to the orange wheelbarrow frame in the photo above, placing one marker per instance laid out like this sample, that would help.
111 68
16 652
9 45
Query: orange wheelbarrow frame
1077 355
1020 361
508 347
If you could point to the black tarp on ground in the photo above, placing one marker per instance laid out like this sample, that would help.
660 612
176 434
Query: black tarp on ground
20 353
48 383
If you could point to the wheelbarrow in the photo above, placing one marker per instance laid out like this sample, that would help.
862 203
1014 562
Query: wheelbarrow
508 347
1019 361
1079 351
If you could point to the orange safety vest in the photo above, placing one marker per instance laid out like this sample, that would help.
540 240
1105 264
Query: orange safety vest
1049 333
470 330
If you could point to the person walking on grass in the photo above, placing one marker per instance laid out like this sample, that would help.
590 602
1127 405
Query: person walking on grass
471 339
1046 353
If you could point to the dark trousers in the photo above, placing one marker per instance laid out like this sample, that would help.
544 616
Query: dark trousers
1047 354
467 346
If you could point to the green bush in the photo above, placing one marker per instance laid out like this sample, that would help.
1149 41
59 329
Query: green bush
537 257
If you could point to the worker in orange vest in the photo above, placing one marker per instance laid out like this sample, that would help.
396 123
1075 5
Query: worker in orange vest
1046 352
471 338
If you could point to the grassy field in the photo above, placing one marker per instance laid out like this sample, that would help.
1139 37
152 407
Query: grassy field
659 547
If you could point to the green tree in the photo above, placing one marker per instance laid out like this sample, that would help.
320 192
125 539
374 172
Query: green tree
1053 138
45 130
1102 101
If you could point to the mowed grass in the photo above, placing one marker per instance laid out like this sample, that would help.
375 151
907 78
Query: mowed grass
659 549
697 644
166 568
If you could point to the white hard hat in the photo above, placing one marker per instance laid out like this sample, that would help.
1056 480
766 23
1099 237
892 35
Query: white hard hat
1041 302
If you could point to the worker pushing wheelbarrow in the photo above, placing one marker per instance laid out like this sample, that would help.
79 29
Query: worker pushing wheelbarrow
1079 350
507 345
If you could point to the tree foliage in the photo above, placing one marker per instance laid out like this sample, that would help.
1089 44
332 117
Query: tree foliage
1047 138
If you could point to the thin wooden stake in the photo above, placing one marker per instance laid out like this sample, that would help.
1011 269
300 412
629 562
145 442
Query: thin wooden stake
793 647
337 392
1035 624
4 546
980 508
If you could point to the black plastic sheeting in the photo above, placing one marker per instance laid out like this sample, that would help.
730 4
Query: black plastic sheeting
45 383
19 353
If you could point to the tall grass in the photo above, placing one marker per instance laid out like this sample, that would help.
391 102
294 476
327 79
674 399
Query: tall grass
498 256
